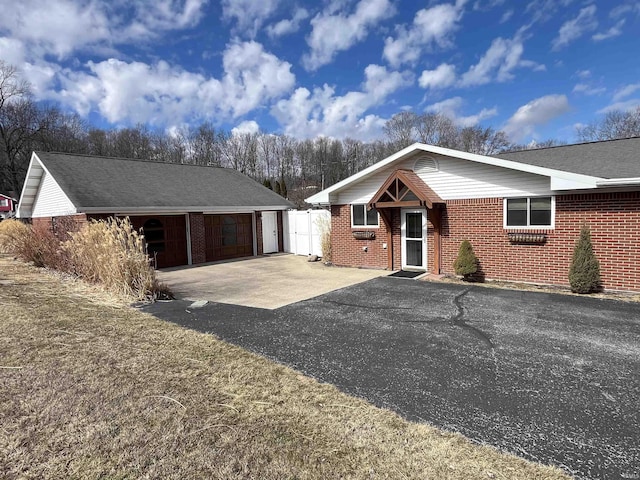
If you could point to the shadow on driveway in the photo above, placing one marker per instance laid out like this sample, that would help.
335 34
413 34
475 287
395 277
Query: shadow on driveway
552 378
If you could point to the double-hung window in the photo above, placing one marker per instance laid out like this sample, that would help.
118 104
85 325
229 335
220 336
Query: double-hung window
361 217
529 212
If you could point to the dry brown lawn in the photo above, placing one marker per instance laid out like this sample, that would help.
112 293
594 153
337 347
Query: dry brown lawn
90 388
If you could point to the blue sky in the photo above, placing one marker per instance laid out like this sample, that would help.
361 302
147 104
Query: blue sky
339 68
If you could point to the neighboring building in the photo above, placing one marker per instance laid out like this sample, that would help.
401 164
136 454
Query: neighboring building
189 214
522 211
7 206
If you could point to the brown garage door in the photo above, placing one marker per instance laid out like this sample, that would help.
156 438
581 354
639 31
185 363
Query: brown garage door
166 237
228 236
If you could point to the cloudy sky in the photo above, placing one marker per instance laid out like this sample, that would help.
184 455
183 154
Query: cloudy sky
339 68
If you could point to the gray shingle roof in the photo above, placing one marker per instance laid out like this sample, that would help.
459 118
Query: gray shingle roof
91 182
607 159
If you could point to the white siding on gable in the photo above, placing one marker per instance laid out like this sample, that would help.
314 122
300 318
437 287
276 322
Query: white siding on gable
457 179
50 200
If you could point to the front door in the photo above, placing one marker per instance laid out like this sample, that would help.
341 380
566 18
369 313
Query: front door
414 239
269 232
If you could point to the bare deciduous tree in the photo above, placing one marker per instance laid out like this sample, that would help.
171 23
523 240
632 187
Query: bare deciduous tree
616 124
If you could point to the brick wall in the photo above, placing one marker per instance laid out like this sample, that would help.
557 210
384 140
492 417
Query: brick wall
62 225
348 251
198 242
259 246
614 219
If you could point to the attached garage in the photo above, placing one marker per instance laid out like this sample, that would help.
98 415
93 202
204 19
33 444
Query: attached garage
189 214
166 238
228 236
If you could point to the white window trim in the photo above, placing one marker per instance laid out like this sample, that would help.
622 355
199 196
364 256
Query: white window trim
365 217
529 227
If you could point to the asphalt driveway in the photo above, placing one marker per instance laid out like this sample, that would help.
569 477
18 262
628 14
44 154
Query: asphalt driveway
552 378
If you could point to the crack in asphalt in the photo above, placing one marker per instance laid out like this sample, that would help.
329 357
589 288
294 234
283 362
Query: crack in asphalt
459 321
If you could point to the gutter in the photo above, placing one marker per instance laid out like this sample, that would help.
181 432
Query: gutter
619 182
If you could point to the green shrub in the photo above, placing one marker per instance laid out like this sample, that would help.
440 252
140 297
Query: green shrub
467 263
584 273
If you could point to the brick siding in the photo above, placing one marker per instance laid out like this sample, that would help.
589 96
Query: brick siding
614 220
198 242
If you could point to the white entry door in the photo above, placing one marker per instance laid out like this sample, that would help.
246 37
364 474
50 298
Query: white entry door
414 239
269 232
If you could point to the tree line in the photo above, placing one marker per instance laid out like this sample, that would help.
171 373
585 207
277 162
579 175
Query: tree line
295 168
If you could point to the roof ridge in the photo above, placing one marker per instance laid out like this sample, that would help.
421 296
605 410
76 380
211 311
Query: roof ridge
142 160
570 145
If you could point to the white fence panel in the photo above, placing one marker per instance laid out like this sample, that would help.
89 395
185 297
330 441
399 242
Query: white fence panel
302 233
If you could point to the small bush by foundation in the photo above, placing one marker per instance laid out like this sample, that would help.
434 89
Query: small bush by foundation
466 264
324 226
584 273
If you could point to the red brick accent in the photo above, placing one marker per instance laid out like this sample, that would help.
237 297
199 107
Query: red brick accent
198 243
62 225
259 246
614 220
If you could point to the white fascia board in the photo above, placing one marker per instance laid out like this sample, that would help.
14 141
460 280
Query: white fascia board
179 210
573 180
619 182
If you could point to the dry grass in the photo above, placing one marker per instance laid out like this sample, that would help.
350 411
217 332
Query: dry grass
324 226
95 389
109 252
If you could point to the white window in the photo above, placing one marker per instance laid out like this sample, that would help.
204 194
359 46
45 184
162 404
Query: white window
4 202
361 217
529 212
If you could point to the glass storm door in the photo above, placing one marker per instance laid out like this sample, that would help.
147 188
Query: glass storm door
414 239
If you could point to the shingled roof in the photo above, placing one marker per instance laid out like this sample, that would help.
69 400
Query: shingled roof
606 159
108 183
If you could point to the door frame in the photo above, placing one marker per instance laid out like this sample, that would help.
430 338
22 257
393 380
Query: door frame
403 238
266 235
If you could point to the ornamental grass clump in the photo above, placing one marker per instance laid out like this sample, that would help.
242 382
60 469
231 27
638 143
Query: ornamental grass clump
467 263
324 227
584 273
113 254
13 236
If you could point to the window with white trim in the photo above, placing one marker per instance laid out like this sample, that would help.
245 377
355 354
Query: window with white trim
529 212
4 202
361 217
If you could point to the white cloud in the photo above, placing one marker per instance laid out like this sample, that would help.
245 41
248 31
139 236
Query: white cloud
307 114
626 91
537 112
573 29
288 26
623 106
443 76
588 89
499 61
61 27
248 126
583 73
614 31
451 108
544 10
249 15
506 16
432 27
162 94
333 31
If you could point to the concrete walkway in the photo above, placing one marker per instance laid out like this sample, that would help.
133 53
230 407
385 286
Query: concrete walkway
265 282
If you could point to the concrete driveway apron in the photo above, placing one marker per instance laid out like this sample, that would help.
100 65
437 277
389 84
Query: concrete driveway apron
264 282
552 378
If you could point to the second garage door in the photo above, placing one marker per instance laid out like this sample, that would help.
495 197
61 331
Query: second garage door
228 236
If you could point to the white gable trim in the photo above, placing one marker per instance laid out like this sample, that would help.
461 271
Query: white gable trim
32 188
559 180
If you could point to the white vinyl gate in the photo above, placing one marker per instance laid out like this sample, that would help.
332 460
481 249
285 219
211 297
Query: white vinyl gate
301 231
